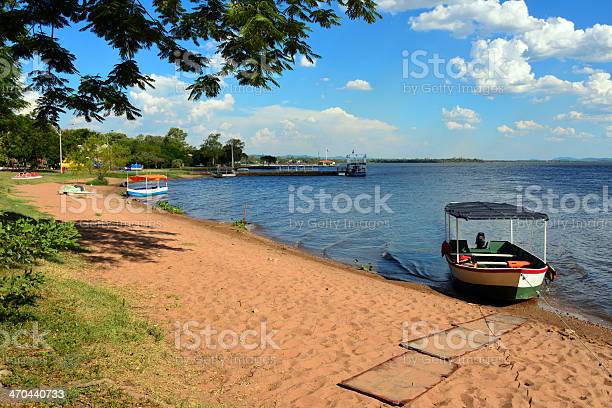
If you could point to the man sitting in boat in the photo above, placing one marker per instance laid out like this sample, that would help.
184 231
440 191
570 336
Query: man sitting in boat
481 241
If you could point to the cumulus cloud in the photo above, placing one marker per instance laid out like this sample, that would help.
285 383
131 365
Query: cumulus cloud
505 129
552 37
308 64
609 131
527 125
358 85
561 131
460 118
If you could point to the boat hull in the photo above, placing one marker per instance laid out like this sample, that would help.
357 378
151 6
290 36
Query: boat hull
147 193
499 283
26 178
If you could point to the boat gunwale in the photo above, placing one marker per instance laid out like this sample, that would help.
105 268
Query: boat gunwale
528 271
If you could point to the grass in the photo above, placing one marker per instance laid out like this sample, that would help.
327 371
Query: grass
95 341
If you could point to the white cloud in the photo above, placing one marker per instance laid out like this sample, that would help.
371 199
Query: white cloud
460 118
585 70
555 139
305 63
561 131
527 125
502 64
465 17
609 131
358 85
545 38
538 100
325 79
586 117
264 138
505 129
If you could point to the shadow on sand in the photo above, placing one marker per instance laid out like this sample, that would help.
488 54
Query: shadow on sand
112 243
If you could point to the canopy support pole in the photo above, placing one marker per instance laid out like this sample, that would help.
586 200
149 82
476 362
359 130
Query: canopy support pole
445 225
545 241
449 228
457 223
512 231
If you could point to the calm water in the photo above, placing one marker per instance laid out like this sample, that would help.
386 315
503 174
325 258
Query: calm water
403 241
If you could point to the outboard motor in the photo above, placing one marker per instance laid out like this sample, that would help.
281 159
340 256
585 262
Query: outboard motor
481 241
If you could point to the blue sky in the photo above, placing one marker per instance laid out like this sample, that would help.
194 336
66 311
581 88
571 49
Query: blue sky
553 92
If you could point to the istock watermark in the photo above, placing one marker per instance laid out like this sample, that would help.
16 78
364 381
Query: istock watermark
303 200
536 198
193 335
25 339
111 204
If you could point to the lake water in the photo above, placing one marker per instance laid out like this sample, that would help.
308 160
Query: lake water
401 238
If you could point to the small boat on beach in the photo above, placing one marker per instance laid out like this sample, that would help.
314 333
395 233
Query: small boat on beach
356 165
497 269
75 190
147 185
26 176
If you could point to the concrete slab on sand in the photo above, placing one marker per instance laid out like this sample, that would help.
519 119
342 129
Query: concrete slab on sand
451 343
495 325
401 379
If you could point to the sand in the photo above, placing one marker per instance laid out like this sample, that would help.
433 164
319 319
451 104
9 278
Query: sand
328 322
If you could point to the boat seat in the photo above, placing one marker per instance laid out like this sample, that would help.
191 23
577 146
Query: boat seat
485 254
492 263
463 245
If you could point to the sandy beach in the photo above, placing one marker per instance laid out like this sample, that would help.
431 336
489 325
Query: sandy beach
326 321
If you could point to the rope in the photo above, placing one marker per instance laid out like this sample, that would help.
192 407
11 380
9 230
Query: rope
601 363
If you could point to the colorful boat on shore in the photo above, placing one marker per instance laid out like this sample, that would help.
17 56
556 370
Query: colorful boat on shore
496 269
26 176
147 185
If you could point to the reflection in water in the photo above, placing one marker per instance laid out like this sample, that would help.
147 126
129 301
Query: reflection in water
403 241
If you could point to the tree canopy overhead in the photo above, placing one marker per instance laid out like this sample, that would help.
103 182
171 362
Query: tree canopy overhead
257 39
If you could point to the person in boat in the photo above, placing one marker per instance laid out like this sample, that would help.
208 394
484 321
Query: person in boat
481 241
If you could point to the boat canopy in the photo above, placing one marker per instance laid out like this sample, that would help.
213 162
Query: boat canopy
148 177
478 210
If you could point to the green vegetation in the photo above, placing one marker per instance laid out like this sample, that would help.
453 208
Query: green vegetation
98 182
24 239
240 224
167 207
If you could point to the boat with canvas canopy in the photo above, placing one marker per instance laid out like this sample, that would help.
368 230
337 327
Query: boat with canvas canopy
496 269
147 185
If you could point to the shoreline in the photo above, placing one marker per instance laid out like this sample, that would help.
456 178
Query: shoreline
333 321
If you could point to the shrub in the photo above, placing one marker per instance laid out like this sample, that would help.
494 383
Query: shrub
98 182
240 224
166 206
25 239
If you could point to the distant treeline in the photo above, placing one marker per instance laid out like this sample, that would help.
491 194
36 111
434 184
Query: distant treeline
451 160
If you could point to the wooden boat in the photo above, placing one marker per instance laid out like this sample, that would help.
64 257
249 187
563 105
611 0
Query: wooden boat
499 269
26 176
147 185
